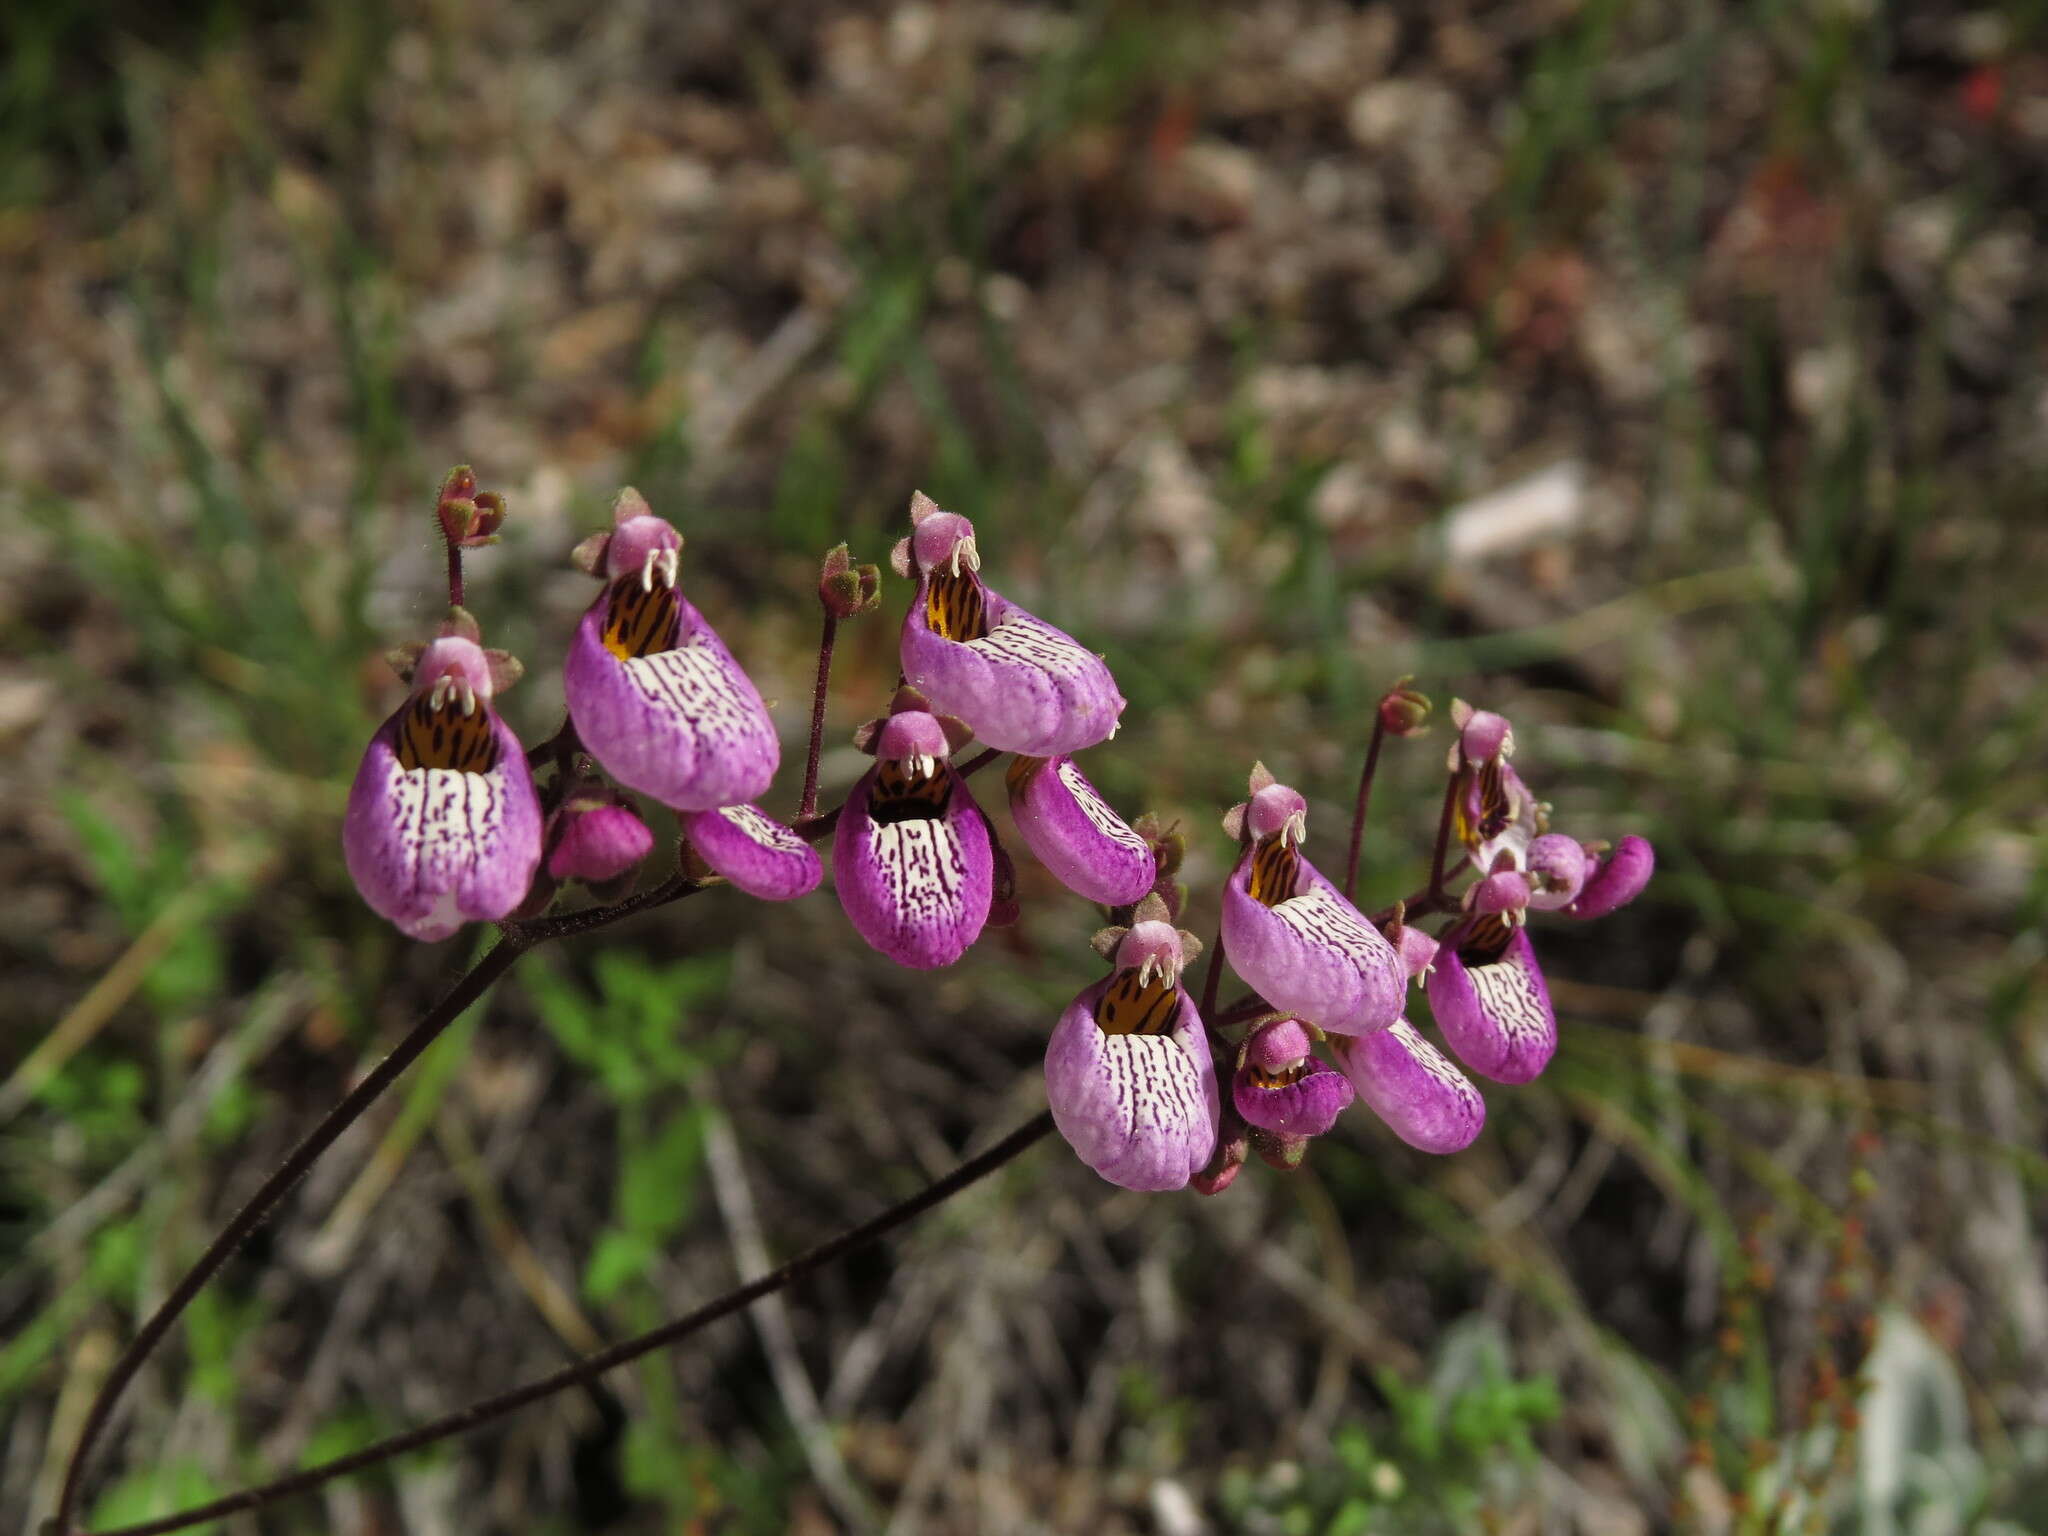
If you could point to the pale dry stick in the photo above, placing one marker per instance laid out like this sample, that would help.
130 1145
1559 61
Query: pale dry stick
267 1017
735 1198
328 1250
466 991
587 1370
551 1299
1333 1371
92 1012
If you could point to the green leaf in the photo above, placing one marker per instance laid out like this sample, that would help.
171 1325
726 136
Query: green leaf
618 1258
158 1490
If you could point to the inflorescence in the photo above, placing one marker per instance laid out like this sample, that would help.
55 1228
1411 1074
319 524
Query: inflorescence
445 825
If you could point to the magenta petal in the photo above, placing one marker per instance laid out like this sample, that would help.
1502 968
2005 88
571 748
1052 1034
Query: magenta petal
1075 835
1306 1107
1408 1083
1023 687
917 890
1314 954
1618 881
433 848
686 725
599 843
754 851
1141 1110
1496 1016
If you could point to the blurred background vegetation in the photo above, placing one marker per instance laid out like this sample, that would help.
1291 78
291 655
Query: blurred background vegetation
1668 374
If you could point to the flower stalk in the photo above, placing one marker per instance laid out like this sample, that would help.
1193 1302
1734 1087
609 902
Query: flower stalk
593 1366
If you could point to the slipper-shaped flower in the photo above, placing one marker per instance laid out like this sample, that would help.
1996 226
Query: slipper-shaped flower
1279 1086
1486 989
1128 1072
1618 879
1022 685
1495 813
910 855
1408 1083
654 694
1086 845
753 850
443 826
1290 932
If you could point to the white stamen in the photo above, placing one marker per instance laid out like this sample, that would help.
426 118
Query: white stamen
1145 970
1294 830
468 696
670 560
647 566
442 686
964 550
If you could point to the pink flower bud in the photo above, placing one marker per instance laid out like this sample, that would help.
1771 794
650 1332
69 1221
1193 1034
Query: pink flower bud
596 839
1403 711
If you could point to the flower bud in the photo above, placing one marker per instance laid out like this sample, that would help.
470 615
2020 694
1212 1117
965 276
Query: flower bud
1279 1149
1232 1147
469 518
847 589
596 838
1403 711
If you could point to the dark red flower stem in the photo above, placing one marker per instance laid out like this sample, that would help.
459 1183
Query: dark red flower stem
593 1366
517 939
979 761
1434 897
1372 765
454 569
1443 844
807 806
466 991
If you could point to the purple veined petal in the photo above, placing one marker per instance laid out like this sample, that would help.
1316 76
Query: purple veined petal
431 848
682 722
1410 1085
1022 685
916 887
1495 1012
754 851
1313 953
1618 881
1075 834
1139 1108
1303 1103
1557 867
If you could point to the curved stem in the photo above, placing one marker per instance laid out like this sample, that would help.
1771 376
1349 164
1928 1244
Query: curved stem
466 991
517 939
592 1366
979 761
807 806
1443 843
1372 763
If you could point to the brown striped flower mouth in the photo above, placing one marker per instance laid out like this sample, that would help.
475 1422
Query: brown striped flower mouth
909 789
1486 939
1487 809
1276 867
1286 1077
642 617
1017 777
445 728
954 605
1139 1000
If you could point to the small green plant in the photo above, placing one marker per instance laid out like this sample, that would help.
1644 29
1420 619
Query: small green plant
1453 1454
